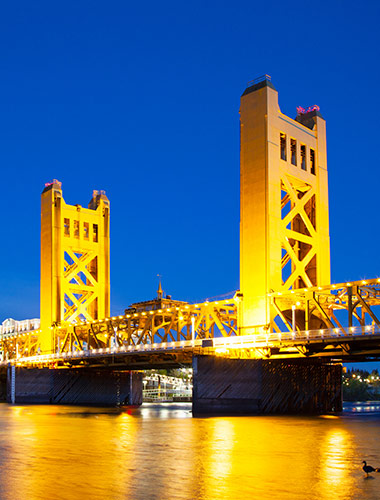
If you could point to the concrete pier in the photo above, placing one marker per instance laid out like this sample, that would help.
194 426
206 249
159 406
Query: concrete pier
73 387
247 387
3 385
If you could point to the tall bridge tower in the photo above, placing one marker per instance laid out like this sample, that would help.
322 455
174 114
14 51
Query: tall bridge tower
284 219
75 270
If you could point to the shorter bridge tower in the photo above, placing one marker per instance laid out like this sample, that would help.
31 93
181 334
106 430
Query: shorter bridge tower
75 269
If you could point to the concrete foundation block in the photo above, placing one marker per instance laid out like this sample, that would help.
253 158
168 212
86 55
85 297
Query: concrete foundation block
3 385
224 386
73 387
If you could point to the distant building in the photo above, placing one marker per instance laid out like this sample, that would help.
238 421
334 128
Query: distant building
10 326
156 304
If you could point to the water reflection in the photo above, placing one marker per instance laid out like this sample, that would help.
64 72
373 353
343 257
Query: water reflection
161 452
337 455
51 453
215 459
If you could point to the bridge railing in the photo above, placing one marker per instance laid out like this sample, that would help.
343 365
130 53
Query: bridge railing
304 336
212 325
216 344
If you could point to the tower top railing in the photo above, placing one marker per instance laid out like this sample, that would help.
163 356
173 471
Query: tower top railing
259 79
54 182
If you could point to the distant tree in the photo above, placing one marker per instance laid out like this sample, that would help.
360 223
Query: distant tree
355 390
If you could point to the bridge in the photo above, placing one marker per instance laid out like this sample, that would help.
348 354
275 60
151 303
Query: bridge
171 336
275 345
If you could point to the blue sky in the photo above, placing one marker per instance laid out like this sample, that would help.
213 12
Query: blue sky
142 100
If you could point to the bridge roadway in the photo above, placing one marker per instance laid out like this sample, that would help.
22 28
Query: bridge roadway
160 338
359 344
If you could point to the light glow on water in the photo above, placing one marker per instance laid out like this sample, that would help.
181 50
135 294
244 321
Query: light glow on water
161 452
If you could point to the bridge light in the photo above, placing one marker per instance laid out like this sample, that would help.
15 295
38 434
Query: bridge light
220 350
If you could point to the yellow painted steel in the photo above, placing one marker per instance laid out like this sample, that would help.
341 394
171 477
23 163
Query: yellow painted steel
75 270
151 327
284 244
342 322
284 224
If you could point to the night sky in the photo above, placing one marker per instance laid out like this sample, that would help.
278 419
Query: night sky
142 100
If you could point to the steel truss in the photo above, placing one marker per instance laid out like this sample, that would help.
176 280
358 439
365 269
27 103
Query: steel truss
337 321
298 232
163 326
338 306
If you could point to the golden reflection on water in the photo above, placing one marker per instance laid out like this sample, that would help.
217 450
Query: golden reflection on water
51 455
217 458
155 452
337 454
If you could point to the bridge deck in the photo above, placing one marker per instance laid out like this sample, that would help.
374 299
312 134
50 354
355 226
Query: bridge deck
171 336
334 344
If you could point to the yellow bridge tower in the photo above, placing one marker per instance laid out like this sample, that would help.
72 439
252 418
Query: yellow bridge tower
75 270
284 224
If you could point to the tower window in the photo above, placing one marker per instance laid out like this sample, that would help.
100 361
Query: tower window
95 233
282 146
66 227
76 229
293 151
312 161
303 156
86 230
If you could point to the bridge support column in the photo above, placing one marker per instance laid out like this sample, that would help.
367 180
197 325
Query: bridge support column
3 385
244 386
74 387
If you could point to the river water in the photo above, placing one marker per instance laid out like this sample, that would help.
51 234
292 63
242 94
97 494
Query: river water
161 452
